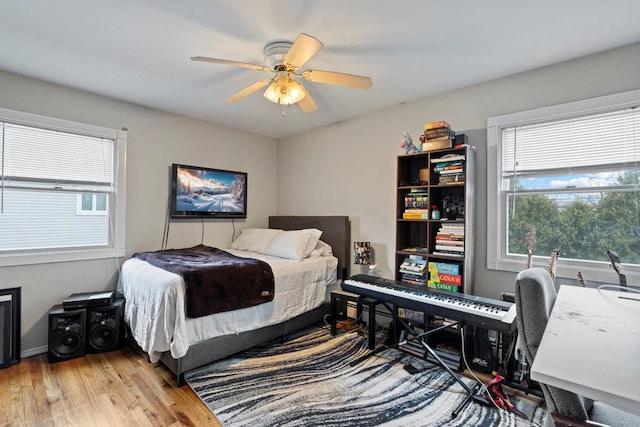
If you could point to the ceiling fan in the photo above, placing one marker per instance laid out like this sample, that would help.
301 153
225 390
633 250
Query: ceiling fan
283 59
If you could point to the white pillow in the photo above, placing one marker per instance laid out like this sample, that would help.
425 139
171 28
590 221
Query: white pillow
255 239
321 249
294 244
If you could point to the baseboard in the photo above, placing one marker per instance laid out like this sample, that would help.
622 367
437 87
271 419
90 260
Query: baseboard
34 351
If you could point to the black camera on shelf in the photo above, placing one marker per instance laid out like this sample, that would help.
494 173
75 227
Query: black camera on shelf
453 207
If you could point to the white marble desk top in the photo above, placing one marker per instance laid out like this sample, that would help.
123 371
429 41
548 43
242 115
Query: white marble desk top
591 346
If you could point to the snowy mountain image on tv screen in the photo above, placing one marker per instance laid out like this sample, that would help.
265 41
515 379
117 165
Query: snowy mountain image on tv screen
209 191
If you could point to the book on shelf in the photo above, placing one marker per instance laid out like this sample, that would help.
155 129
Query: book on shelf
446 351
416 199
455 365
449 158
443 267
452 227
437 144
442 286
445 278
449 352
451 170
451 233
441 132
449 254
414 264
436 124
449 239
415 249
448 346
450 249
441 242
451 179
415 214
413 348
414 280
447 246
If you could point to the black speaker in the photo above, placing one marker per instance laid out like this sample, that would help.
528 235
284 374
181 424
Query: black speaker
105 327
66 333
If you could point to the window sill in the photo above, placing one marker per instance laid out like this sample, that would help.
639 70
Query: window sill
46 257
597 272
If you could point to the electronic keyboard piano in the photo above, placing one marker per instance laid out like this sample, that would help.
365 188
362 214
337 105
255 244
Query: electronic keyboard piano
473 310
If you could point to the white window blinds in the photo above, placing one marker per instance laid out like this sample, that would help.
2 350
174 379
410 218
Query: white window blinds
32 154
44 171
607 141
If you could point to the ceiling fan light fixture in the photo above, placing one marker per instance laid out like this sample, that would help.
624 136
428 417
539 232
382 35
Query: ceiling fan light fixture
284 90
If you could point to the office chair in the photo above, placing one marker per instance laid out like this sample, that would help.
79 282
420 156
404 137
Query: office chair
535 295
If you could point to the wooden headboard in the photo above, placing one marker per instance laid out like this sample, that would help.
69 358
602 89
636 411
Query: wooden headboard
336 232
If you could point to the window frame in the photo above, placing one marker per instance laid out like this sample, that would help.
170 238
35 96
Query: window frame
497 233
94 203
116 207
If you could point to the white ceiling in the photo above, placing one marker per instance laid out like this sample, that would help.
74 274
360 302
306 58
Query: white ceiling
139 50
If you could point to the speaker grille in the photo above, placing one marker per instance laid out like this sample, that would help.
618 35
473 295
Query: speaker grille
67 343
103 337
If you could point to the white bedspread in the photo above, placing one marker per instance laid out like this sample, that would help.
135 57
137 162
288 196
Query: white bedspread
155 305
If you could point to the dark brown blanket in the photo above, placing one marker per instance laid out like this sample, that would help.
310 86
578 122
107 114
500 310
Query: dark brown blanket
215 280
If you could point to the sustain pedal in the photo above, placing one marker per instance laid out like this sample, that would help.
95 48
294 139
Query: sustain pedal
411 369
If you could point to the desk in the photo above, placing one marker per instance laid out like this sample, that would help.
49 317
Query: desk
591 346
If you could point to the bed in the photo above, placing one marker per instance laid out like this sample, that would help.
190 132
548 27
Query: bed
155 301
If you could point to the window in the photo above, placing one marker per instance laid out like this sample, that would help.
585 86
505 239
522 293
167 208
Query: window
61 190
570 176
91 204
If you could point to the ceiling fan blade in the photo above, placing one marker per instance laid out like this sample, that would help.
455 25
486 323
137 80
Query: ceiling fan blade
307 103
248 91
228 62
302 50
334 78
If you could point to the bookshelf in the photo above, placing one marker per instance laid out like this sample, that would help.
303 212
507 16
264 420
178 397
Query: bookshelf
442 244
436 251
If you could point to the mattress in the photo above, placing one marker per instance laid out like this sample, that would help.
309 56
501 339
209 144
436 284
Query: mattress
155 305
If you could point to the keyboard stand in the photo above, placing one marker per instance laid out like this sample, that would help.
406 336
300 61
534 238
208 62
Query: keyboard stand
472 393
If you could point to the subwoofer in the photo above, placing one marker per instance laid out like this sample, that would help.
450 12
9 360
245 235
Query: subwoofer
66 334
105 327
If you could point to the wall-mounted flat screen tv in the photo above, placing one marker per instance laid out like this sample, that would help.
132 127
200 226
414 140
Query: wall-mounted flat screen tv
199 192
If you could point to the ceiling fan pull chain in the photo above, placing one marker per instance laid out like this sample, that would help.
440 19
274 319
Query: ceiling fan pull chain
284 113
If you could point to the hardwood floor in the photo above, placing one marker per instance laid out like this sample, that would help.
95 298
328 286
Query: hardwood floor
118 388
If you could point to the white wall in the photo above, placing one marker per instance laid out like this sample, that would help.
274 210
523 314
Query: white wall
350 168
353 166
155 140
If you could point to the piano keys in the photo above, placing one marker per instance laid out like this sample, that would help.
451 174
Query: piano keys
473 310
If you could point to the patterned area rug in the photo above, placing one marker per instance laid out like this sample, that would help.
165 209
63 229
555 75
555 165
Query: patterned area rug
307 381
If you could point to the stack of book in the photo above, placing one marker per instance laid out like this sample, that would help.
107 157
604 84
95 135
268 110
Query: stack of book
444 276
450 239
450 169
413 348
414 270
447 353
450 355
416 205
437 135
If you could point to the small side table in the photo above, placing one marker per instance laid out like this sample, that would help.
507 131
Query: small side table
360 302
